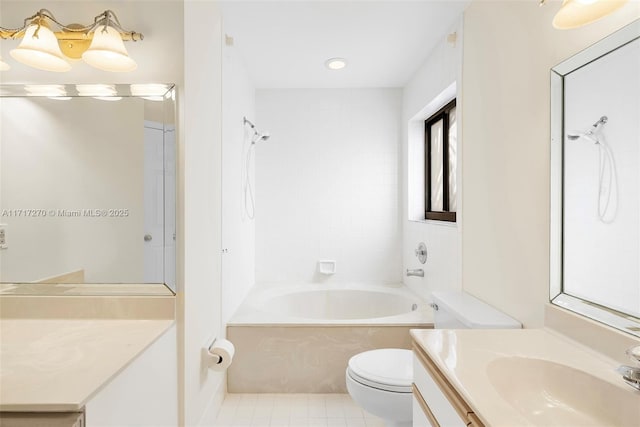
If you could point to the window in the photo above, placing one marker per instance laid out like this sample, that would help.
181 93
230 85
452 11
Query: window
440 164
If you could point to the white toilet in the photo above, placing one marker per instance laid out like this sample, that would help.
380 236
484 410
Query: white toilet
380 380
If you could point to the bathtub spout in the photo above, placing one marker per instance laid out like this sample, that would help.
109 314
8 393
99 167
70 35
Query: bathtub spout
417 272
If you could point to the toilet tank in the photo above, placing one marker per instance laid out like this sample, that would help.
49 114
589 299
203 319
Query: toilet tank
458 310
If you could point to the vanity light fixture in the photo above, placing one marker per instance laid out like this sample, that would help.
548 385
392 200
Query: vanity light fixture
99 44
336 63
576 13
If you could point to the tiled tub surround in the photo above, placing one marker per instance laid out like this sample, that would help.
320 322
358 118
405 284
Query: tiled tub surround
280 353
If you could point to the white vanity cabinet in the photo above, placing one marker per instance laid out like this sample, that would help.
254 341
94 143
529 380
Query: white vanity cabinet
145 393
435 401
100 361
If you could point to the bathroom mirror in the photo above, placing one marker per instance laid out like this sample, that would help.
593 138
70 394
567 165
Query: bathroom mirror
595 181
87 186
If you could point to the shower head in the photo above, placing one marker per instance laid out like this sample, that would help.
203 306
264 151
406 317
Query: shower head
257 137
589 136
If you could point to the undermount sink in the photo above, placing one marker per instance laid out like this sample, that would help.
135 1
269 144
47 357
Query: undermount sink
551 394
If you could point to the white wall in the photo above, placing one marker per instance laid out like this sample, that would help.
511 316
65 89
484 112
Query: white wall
55 167
430 88
201 135
327 185
601 258
505 87
238 230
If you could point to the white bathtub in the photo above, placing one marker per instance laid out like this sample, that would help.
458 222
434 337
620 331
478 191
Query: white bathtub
332 305
299 338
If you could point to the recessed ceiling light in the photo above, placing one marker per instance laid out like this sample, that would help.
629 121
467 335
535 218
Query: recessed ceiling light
336 63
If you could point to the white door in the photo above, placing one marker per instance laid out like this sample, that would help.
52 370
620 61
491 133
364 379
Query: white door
153 234
170 207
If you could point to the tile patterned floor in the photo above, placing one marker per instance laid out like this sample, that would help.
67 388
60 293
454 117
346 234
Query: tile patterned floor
293 410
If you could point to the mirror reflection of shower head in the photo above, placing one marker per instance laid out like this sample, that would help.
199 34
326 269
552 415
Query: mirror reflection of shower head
607 176
589 135
257 136
248 201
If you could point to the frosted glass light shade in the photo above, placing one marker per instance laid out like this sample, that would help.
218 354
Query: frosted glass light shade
107 51
41 51
576 13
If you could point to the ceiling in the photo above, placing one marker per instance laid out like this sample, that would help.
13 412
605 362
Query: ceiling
284 44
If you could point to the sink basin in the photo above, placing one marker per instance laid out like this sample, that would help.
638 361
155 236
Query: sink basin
551 394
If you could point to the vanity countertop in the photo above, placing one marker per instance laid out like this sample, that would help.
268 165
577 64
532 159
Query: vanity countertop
528 377
59 364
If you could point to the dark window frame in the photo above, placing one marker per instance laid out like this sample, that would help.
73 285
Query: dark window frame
445 214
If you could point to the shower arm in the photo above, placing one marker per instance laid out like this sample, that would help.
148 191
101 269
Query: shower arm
247 121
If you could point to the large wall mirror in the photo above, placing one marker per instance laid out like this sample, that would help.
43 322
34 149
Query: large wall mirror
87 185
595 194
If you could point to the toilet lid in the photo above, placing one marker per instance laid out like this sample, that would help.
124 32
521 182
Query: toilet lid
387 369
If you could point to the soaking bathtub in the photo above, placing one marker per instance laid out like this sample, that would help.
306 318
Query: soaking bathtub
299 338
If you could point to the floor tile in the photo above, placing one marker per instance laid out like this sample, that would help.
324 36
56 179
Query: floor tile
293 410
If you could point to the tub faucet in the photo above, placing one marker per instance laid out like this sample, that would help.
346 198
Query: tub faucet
631 374
417 272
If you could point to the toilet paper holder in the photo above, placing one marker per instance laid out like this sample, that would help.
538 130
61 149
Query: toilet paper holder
216 359
219 354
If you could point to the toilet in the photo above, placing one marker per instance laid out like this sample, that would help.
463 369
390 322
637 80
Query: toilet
380 380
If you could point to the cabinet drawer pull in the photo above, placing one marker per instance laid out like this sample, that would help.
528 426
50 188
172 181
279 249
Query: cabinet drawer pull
425 407
459 404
